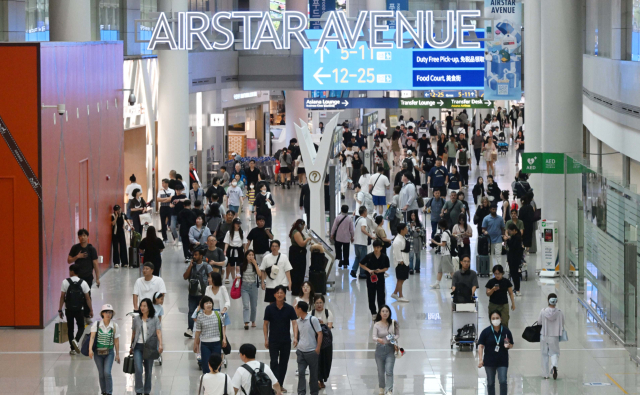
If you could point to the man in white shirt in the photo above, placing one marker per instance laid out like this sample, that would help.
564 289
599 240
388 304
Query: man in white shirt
74 299
145 287
279 272
363 198
164 198
445 264
378 185
360 241
242 378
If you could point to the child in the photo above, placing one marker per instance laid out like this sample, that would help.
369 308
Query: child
158 301
251 195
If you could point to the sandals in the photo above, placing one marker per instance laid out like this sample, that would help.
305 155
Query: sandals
246 327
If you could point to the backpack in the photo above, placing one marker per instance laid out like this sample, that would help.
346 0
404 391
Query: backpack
521 188
453 244
198 281
462 294
260 381
327 335
462 159
74 297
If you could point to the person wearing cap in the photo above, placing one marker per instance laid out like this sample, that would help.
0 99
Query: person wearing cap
235 242
493 226
145 287
105 335
552 320
118 239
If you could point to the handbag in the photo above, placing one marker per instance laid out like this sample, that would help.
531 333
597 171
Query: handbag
227 350
537 215
105 350
564 337
399 351
146 219
128 366
150 347
419 200
532 333
236 292
60 334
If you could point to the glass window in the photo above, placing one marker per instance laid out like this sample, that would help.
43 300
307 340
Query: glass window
109 19
145 28
37 20
635 32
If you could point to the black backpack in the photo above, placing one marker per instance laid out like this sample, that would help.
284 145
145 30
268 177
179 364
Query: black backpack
327 335
260 381
453 244
74 297
462 294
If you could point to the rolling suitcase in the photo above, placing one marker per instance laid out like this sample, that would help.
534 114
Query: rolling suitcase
134 257
483 265
484 245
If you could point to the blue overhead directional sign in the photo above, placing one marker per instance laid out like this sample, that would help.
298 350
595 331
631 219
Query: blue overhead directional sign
354 102
362 68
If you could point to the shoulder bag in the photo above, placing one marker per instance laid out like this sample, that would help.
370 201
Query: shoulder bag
333 236
532 333
399 351
374 184
419 200
150 348
105 350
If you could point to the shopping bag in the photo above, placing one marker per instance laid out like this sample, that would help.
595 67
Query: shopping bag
60 334
564 337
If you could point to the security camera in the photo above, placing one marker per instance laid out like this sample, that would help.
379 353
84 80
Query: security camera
132 99
62 109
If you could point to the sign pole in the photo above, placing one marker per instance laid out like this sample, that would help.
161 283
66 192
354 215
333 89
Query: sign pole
316 166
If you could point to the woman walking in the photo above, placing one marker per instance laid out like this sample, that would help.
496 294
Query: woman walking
199 233
105 334
385 330
356 163
325 360
146 332
220 296
519 140
306 295
250 273
478 191
216 382
381 234
552 320
493 353
490 156
463 232
210 333
526 214
416 234
481 212
298 255
515 250
234 245
263 204
151 247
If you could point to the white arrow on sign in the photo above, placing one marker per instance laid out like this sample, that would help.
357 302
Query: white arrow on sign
322 50
317 76
440 103
488 103
345 103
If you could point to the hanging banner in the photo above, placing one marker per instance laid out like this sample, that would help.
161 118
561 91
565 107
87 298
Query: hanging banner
317 8
396 5
503 55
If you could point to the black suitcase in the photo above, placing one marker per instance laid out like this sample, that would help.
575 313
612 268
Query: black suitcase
483 265
319 281
127 365
484 245
134 257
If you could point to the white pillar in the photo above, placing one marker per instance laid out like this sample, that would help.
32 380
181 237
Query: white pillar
173 104
533 86
561 100
294 110
70 20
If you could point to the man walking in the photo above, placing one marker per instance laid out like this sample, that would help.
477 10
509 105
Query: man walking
342 234
85 256
164 198
465 280
260 237
435 206
243 377
147 286
477 141
360 241
408 196
75 295
375 265
438 177
279 317
452 210
186 219
214 255
493 226
197 275
452 148
310 340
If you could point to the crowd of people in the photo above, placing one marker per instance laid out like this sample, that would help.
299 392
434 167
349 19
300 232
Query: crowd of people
428 175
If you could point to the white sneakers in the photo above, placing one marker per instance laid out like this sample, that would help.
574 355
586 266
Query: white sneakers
188 333
75 346
116 266
399 299
394 296
373 317
435 286
403 300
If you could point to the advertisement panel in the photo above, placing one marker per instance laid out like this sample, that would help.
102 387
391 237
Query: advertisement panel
503 55
317 8
396 5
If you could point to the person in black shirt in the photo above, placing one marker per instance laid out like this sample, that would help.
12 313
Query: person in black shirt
375 264
423 145
428 160
186 219
412 138
449 121
260 237
152 246
137 206
252 173
198 211
164 198
216 189
173 182
346 136
279 317
422 123
356 163
493 352
118 240
177 204
493 190
85 256
361 140
497 290
305 201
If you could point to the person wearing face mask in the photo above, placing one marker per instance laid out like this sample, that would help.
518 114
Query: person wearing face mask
235 196
552 320
493 353
263 204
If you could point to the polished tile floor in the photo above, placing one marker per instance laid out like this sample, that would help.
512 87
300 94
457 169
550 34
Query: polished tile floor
31 364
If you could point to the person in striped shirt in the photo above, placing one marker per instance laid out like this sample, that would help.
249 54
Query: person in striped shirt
105 335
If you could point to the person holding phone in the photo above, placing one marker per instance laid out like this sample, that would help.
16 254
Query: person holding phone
497 290
137 206
85 256
375 265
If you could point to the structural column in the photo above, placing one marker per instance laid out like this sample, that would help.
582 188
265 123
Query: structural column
561 80
173 104
533 86
70 20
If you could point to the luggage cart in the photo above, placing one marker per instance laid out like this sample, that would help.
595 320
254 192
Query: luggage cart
464 315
